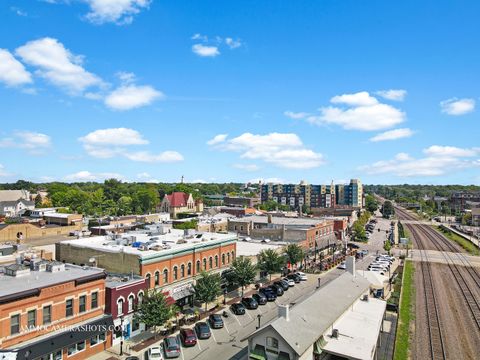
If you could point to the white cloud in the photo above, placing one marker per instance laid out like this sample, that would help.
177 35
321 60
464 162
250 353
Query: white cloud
119 12
35 143
126 77
217 139
450 151
440 160
145 156
18 11
393 135
363 112
296 115
199 36
247 167
84 176
108 143
114 136
57 64
128 97
282 150
233 44
146 177
205 50
361 98
12 71
456 106
395 95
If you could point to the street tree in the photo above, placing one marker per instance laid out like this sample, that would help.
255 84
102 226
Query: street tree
371 203
243 272
387 209
207 287
294 254
270 261
154 310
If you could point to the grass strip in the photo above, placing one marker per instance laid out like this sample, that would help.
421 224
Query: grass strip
464 243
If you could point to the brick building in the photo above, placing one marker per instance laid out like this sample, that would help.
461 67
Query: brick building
41 300
180 203
168 259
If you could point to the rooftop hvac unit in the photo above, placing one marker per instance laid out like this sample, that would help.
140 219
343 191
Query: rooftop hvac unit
335 333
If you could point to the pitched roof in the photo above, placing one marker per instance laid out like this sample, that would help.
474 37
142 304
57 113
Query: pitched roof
13 195
312 317
177 199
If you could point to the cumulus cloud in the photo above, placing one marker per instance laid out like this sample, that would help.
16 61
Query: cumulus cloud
57 64
361 111
395 95
108 143
296 115
127 97
12 71
217 139
205 50
33 142
146 177
84 176
456 106
439 160
392 135
233 43
280 149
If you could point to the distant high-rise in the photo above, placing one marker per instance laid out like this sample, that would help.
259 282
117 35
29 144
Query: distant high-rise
350 194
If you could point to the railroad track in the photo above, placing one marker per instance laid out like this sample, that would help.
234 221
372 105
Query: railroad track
446 248
437 344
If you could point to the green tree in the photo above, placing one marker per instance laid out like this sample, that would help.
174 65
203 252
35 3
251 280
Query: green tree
38 201
207 287
154 310
371 203
145 200
294 253
243 272
124 205
270 261
387 209
358 230
467 219
191 224
387 246
113 189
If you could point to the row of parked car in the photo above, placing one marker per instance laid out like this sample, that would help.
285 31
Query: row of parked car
202 330
268 293
381 264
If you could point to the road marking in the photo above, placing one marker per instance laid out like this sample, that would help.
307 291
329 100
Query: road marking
226 328
248 315
213 335
198 343
181 351
236 318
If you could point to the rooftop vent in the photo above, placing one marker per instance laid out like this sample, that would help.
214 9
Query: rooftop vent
17 270
335 333
55 266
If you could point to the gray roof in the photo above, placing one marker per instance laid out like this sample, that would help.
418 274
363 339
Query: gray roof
281 220
13 195
311 318
10 285
15 202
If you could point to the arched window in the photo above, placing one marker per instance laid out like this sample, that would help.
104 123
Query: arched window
216 261
204 263
120 302
182 271
139 298
233 255
148 277
157 278
198 266
189 269
165 276
228 258
131 298
175 273
210 263
223 259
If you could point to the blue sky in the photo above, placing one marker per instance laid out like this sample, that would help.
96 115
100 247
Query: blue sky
386 91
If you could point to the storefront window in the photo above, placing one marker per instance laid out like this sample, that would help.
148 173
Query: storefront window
75 348
97 339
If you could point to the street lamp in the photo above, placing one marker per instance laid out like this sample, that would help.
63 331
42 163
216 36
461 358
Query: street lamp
121 341
259 317
225 296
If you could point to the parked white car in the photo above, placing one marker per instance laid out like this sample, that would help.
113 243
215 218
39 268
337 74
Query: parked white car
302 275
154 353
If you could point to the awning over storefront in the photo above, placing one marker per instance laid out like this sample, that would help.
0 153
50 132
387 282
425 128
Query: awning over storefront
184 292
60 340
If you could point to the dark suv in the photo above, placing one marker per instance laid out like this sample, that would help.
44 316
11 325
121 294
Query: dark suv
260 298
282 284
269 294
277 289
250 303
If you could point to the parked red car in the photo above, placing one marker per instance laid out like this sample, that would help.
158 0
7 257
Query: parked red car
188 337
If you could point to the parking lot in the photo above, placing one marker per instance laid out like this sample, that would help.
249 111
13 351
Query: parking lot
225 343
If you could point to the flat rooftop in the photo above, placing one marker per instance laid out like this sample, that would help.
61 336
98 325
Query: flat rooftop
41 279
282 220
146 245
252 248
358 330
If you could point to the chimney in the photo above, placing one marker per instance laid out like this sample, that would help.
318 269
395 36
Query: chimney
350 265
284 311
